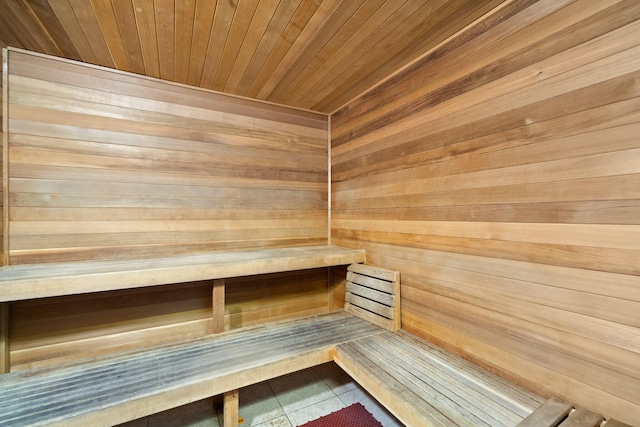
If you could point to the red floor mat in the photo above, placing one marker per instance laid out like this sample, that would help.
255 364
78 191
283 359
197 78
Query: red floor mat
352 416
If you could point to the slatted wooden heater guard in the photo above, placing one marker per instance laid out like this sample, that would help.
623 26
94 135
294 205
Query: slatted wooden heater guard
373 293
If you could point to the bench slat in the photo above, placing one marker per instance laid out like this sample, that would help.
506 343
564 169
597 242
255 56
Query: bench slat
582 417
490 404
372 306
372 294
520 400
371 282
549 414
19 282
377 272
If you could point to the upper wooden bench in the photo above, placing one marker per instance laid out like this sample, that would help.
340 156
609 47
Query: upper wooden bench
20 282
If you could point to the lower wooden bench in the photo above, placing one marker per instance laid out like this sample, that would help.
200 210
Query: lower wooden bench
422 385
135 384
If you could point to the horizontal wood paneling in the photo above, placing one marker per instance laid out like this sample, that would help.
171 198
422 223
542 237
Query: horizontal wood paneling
316 54
500 174
109 165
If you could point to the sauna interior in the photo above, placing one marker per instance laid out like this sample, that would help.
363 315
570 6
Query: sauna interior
488 150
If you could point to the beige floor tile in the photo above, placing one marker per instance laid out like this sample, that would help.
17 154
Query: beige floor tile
337 379
316 410
300 390
258 405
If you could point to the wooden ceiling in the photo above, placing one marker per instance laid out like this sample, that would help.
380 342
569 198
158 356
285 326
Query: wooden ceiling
312 54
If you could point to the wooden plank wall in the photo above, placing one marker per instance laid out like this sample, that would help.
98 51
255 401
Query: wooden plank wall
501 175
105 164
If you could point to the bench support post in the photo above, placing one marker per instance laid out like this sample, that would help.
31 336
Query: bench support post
5 362
231 408
218 306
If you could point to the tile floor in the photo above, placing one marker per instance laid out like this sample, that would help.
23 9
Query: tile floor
286 401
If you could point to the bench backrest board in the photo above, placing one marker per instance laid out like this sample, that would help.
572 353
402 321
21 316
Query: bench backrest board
373 293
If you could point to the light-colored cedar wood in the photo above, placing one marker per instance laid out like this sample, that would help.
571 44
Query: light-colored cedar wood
582 417
56 33
163 148
373 293
125 17
201 30
5 152
166 14
90 27
231 408
145 19
45 280
184 25
487 183
154 379
614 423
549 414
103 14
334 36
218 303
416 382
220 30
5 349
248 65
375 272
371 306
71 25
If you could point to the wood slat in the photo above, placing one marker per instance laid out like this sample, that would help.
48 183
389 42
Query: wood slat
549 414
375 272
582 417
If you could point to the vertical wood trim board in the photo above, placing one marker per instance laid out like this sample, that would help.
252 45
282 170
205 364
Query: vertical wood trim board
501 174
3 164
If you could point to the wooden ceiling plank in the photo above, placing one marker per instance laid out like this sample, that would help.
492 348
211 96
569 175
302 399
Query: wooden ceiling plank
223 19
145 17
23 25
166 42
240 84
90 27
53 28
126 22
244 16
106 18
336 22
303 14
257 31
311 64
70 24
433 27
7 38
202 28
317 22
377 23
184 22
375 41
